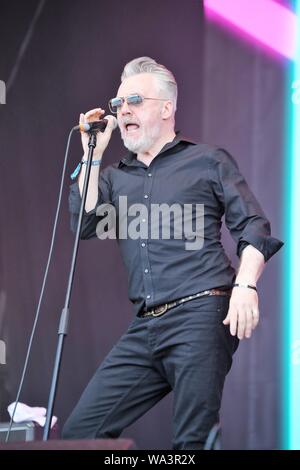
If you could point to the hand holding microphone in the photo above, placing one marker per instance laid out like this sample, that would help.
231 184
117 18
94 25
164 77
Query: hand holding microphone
92 121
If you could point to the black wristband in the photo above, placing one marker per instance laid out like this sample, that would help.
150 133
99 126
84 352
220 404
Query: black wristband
249 286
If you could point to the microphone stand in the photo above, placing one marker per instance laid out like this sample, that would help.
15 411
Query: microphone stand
64 319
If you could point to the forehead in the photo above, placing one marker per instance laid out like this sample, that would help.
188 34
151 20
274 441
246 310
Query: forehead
144 83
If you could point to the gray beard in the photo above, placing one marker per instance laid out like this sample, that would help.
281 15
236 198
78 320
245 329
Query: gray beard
144 143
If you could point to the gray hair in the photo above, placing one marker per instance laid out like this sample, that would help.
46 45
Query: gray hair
165 79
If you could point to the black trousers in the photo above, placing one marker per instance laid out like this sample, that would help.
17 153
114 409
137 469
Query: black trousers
187 350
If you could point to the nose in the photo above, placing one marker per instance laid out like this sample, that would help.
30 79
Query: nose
125 109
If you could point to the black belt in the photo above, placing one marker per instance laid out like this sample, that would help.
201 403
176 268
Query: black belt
161 309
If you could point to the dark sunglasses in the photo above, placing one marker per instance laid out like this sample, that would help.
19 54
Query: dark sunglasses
116 103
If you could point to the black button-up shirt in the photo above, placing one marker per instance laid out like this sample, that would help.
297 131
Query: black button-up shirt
161 270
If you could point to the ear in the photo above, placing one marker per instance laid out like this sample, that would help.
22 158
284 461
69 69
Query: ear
167 110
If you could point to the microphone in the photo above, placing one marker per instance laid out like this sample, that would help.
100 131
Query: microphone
96 126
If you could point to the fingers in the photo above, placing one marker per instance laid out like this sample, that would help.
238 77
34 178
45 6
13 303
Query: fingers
243 313
248 323
233 322
241 325
255 317
231 319
103 138
249 320
242 321
94 114
112 122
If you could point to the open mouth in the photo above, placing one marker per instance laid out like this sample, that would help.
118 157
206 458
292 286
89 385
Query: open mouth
131 127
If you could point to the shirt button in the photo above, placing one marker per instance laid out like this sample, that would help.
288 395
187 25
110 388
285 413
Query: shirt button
146 270
148 296
143 220
150 174
143 244
146 196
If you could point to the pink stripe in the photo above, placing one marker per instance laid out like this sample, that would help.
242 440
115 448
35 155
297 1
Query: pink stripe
266 21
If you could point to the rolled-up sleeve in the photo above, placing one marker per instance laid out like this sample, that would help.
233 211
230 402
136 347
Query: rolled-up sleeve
243 215
90 219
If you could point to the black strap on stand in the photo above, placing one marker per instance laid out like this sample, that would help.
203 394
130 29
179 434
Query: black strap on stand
64 319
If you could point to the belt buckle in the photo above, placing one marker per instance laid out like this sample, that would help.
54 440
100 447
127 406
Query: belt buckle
160 310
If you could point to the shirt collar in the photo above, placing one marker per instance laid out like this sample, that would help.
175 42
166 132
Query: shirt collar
130 157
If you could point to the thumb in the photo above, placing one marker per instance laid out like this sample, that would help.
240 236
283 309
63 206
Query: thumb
226 321
81 121
81 118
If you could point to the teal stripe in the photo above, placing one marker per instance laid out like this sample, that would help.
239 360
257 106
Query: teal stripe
291 304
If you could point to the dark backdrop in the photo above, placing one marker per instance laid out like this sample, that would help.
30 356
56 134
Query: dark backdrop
229 93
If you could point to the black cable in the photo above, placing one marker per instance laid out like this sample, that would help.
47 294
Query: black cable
43 285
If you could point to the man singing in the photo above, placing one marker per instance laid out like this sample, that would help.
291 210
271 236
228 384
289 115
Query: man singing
191 307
